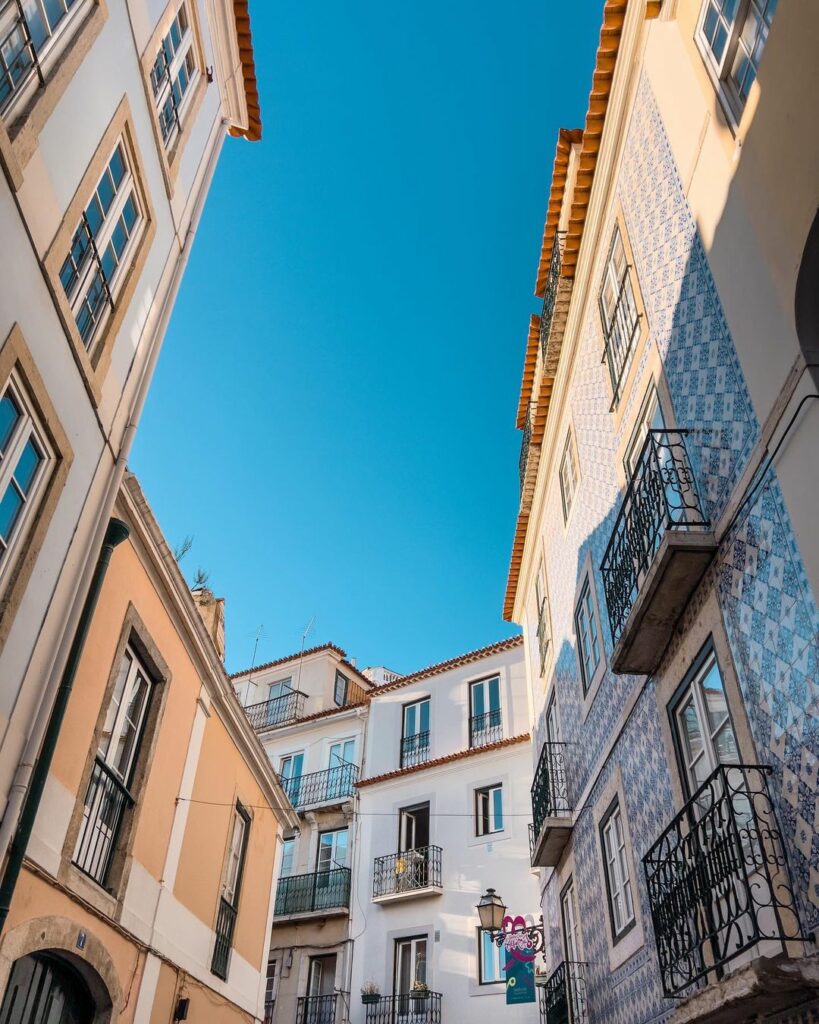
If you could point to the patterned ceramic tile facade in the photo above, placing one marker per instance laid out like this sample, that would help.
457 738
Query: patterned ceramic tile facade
769 611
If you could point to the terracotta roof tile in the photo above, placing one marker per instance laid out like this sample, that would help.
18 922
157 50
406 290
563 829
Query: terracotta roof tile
253 132
566 138
459 755
293 657
445 666
529 364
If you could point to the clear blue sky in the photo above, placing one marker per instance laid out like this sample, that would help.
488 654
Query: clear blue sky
332 418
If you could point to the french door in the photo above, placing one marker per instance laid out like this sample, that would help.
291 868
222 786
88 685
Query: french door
342 754
485 712
410 973
575 997
412 869
290 772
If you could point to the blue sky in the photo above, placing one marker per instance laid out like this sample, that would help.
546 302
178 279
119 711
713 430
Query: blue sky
341 372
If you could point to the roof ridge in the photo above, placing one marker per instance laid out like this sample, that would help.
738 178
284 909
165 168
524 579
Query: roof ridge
455 662
291 657
436 762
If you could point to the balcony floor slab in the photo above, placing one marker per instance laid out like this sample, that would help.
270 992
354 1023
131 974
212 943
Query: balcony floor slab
309 915
409 894
550 844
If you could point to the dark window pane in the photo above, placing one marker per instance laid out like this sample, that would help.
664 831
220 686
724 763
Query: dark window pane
9 511
27 465
94 216
9 415
117 167
106 191
119 239
129 213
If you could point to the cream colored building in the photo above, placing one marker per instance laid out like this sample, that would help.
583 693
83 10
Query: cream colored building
112 117
665 564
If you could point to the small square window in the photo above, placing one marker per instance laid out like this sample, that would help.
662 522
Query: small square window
587 635
488 810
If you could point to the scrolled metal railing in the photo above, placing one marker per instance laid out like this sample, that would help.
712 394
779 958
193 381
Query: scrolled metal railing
550 793
525 443
532 841
106 801
419 1007
661 496
563 998
550 295
718 879
337 783
318 890
320 1009
415 749
225 926
268 714
486 728
407 871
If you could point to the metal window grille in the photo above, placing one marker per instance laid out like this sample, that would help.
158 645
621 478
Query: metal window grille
225 925
563 1000
106 802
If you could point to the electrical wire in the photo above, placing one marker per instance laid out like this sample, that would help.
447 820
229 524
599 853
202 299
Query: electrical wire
359 814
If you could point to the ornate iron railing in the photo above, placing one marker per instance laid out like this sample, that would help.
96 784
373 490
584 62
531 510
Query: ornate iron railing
322 787
550 296
106 801
486 728
563 999
225 925
550 794
718 879
525 442
532 841
416 1008
268 714
407 871
661 496
415 749
620 332
319 890
320 1009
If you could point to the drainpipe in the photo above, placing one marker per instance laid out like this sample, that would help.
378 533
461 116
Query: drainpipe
116 533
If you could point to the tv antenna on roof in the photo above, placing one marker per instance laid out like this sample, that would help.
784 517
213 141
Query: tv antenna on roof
304 636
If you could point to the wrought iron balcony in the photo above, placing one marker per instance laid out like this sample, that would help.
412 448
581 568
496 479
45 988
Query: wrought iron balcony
106 801
322 1009
486 728
718 879
269 714
551 810
407 874
659 550
525 443
333 785
225 925
415 749
553 298
532 839
563 999
319 891
416 1008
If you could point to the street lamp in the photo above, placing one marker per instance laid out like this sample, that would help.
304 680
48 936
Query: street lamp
529 940
491 911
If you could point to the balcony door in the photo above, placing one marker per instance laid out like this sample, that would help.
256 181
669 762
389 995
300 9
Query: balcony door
291 768
485 712
412 865
575 1009
558 790
342 755
415 739
319 1006
331 886
410 972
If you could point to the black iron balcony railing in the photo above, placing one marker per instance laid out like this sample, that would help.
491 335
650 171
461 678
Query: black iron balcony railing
320 890
279 711
414 1008
525 442
486 728
225 925
550 296
550 794
321 1009
563 1000
415 749
106 802
621 329
661 496
269 1010
718 879
322 787
407 871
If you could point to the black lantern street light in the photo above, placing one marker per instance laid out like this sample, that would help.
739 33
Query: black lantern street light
492 912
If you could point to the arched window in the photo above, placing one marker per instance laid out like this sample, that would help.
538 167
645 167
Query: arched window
45 989
807 301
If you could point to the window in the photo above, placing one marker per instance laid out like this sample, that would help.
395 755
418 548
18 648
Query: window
615 866
650 417
488 810
485 722
415 738
568 476
569 924
280 688
288 857
231 889
491 959
332 850
23 460
340 689
544 633
291 768
732 35
108 796
410 964
618 311
588 637
172 75
95 266
270 990
29 32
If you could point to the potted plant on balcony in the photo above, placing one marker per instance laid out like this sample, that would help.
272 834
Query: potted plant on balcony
370 993
541 977
419 995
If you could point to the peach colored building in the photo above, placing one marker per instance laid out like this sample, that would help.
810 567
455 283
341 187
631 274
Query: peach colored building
149 875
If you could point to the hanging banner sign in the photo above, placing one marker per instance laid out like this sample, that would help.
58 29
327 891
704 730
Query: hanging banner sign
520 952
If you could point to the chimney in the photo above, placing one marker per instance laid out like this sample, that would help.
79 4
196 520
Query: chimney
212 610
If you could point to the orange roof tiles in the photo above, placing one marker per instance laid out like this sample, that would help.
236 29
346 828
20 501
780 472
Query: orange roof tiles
253 132
445 666
566 138
446 759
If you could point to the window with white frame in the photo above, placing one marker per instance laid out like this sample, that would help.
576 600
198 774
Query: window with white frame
544 632
236 856
650 417
24 458
731 35
288 857
618 311
587 635
491 959
568 476
96 264
615 865
173 75
488 810
340 689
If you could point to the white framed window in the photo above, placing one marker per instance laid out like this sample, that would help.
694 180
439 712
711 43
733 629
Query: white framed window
280 688
288 857
340 689
235 856
332 850
615 864
96 264
485 716
650 417
118 745
491 960
488 810
618 311
544 631
588 636
173 75
24 460
731 35
568 476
